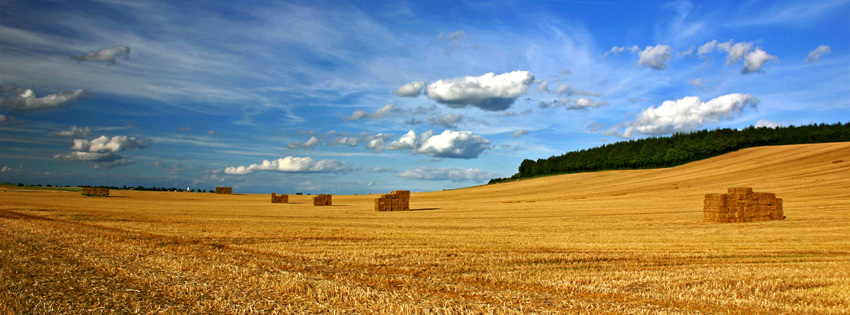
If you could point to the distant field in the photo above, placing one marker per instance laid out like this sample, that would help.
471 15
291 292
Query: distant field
617 242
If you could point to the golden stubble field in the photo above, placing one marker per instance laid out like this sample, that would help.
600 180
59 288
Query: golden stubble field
618 242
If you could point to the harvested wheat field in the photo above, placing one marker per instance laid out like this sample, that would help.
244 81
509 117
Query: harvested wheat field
618 242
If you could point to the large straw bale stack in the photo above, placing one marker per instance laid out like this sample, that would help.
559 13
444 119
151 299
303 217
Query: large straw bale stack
322 200
742 205
224 190
280 198
398 200
92 191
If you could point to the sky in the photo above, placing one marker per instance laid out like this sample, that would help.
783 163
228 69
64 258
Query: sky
348 97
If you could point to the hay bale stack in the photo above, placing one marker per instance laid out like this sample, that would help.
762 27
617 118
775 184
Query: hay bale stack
92 191
280 198
224 190
322 200
398 200
742 205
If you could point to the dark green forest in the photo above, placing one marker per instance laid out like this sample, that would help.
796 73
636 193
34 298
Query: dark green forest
677 149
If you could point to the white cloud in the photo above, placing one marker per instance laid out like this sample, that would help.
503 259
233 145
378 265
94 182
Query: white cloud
379 113
23 100
616 50
737 52
520 132
815 55
452 174
686 114
104 144
5 169
584 103
101 151
756 59
109 55
311 143
373 142
454 144
767 124
449 144
488 92
655 57
412 89
2 118
707 48
291 164
76 132
376 145
410 141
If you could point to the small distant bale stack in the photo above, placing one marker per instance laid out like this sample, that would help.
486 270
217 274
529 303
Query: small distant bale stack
742 205
322 200
280 198
92 191
398 200
224 190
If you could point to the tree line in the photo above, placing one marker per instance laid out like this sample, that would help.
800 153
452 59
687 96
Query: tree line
678 149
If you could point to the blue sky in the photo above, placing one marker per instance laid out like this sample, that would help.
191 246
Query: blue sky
358 97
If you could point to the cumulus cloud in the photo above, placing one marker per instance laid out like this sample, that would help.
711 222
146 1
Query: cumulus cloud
655 57
373 142
309 144
520 132
455 144
737 52
291 164
101 151
412 89
449 144
488 92
686 114
105 144
3 118
756 59
110 55
76 132
23 100
584 103
815 55
379 113
452 174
